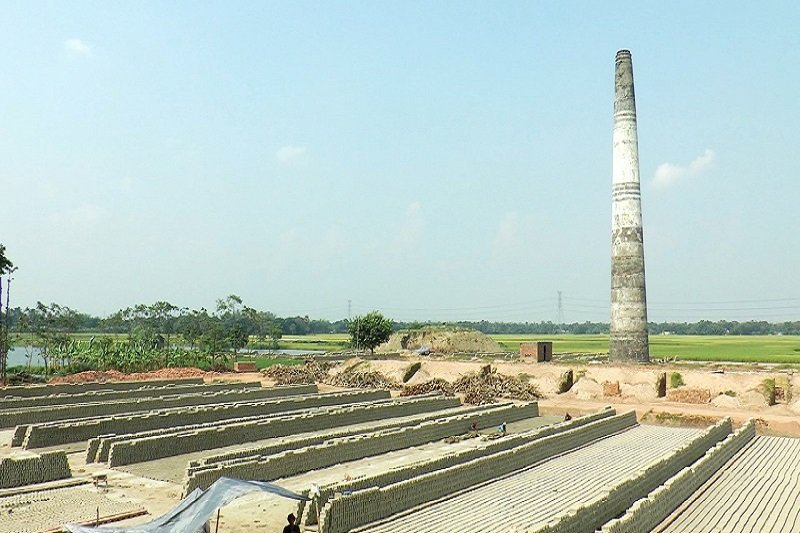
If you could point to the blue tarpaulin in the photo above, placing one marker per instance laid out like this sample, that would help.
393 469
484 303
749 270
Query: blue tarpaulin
194 511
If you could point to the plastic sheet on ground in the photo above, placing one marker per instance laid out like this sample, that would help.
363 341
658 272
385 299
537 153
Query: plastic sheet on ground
194 511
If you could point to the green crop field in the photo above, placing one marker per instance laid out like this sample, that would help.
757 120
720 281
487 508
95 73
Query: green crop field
758 349
761 349
327 342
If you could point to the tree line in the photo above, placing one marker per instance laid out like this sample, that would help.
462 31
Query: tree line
169 320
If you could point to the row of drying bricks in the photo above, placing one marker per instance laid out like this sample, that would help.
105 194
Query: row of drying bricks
291 462
343 513
459 456
18 471
105 395
68 431
99 408
377 403
137 449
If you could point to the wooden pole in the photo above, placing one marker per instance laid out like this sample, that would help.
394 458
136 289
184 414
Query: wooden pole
216 529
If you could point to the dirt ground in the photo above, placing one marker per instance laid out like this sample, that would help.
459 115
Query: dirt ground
734 391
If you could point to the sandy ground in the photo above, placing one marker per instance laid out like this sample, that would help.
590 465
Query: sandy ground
734 392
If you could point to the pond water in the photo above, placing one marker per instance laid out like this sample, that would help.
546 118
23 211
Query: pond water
284 352
18 355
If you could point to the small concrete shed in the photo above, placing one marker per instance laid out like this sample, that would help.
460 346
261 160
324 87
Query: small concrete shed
541 351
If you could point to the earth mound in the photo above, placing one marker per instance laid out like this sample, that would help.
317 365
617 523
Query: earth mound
441 340
115 375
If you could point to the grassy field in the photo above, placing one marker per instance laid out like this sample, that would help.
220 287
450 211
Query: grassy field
768 349
265 362
329 342
771 349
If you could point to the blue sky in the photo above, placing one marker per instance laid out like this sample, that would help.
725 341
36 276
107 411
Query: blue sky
447 160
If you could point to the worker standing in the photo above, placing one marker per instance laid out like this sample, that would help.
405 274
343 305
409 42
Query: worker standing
292 527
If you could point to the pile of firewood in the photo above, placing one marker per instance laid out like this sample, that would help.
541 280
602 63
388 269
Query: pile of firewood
434 385
361 380
486 385
311 372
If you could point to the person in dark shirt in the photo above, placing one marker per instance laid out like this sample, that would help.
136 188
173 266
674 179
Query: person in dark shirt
292 527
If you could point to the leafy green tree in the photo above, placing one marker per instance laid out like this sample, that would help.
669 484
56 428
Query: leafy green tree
369 331
275 334
51 326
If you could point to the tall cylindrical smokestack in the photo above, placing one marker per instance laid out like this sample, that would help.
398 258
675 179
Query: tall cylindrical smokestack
629 340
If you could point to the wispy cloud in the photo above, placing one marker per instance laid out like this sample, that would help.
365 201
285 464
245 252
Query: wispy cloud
290 154
668 174
77 48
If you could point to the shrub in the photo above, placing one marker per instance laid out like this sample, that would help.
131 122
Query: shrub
767 388
676 380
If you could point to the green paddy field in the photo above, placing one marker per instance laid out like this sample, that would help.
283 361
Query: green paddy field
745 349
751 349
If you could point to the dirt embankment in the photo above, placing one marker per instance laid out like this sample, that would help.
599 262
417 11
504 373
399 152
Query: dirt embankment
441 341
115 375
706 393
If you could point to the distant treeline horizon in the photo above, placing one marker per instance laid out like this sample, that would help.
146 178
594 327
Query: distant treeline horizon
119 322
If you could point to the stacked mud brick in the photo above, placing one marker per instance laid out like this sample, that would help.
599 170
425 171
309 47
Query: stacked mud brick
252 452
13 402
419 468
356 447
99 448
645 514
35 415
343 513
63 432
26 391
18 471
148 448
617 499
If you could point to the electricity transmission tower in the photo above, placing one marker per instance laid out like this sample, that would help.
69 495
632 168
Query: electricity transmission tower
560 319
